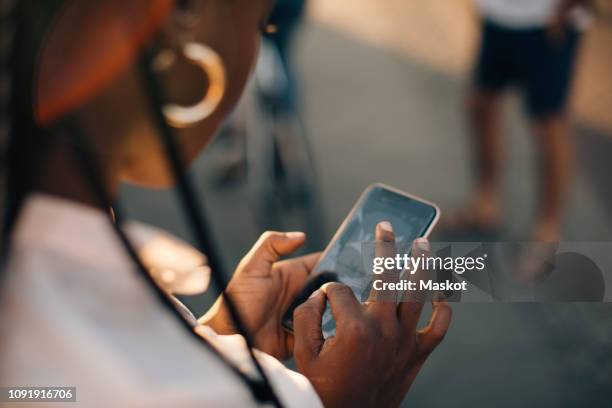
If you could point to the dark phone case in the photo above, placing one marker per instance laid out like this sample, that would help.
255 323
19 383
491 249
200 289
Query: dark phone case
312 285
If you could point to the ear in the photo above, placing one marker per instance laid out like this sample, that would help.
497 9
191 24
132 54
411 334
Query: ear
86 47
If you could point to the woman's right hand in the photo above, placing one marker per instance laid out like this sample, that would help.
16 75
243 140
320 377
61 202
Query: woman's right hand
376 353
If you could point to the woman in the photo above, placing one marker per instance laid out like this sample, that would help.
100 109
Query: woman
75 313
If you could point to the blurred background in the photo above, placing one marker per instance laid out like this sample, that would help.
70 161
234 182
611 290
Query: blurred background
362 91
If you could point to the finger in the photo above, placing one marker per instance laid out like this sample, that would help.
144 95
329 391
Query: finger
301 264
309 261
294 275
384 301
384 233
308 336
430 336
271 246
411 303
289 344
344 305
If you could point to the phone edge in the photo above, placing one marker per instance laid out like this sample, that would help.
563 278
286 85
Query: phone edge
346 219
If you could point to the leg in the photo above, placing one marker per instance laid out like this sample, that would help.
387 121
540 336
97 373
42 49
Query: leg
548 69
493 72
556 160
484 118
482 210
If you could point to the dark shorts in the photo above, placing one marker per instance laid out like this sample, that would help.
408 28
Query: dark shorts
528 59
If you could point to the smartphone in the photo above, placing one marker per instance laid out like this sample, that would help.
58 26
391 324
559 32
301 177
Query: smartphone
342 261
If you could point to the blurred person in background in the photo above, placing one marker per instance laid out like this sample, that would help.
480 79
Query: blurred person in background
83 293
532 44
286 16
277 90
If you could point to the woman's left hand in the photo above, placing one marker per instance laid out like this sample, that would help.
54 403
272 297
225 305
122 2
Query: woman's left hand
262 289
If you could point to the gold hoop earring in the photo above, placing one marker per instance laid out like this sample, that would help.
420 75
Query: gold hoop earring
211 64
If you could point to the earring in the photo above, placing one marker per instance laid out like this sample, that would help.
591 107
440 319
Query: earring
211 64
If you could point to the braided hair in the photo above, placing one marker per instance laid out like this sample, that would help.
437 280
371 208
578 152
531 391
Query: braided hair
7 43
23 25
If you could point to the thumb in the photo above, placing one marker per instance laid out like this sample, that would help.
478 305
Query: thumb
430 336
271 245
307 328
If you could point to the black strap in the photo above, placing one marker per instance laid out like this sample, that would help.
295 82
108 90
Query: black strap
91 171
193 209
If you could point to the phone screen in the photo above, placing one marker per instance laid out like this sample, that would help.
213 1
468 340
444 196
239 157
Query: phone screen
343 258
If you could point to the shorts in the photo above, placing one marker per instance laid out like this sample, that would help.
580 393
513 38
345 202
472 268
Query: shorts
529 59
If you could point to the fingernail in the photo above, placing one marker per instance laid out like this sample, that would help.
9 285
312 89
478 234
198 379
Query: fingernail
295 235
386 226
323 287
315 293
422 244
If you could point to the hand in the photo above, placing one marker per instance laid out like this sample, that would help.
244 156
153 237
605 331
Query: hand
559 23
557 27
262 289
377 351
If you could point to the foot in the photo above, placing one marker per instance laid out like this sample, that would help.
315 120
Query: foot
537 259
546 231
535 263
482 212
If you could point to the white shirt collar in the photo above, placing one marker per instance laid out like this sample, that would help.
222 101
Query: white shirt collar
85 234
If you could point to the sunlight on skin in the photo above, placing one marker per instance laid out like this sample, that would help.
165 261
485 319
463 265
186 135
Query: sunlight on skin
177 267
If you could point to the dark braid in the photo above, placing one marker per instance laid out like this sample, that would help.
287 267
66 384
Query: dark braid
24 146
7 44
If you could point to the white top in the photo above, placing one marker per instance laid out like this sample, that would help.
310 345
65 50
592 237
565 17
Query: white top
73 312
527 13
